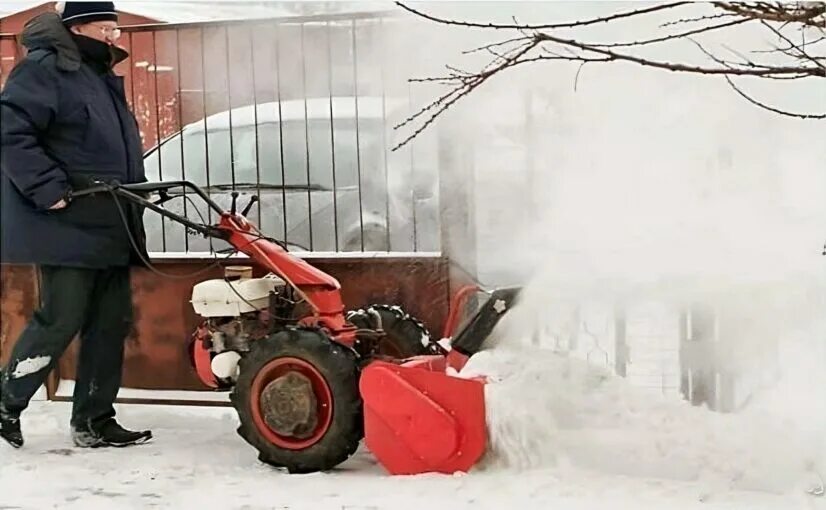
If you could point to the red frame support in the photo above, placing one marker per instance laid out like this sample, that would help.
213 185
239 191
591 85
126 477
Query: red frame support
321 291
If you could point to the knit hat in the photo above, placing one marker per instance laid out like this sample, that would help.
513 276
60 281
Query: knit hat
75 13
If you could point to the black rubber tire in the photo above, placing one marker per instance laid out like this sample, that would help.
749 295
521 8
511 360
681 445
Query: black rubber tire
405 336
339 367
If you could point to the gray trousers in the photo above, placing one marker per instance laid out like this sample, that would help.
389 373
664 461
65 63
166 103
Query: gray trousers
98 305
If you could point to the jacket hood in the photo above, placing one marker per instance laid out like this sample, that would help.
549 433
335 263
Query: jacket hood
47 32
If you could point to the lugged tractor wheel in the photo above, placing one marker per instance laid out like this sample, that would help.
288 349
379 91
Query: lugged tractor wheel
405 336
298 400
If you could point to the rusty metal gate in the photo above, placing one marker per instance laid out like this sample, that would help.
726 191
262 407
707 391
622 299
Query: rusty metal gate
298 111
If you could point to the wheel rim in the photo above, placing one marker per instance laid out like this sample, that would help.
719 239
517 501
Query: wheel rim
269 376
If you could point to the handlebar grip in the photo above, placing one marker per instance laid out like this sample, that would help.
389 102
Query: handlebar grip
91 190
252 201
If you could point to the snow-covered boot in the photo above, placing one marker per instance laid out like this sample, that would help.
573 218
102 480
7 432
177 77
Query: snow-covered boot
110 433
10 428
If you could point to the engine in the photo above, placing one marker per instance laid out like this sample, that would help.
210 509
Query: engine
223 298
232 313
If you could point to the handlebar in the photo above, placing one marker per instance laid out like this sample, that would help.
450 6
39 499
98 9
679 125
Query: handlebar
146 187
132 192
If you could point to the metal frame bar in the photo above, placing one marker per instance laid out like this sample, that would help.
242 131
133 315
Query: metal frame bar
180 123
229 104
332 135
157 124
358 139
277 33
255 121
382 56
204 105
306 135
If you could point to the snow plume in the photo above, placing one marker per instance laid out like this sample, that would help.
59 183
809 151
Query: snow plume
643 186
624 226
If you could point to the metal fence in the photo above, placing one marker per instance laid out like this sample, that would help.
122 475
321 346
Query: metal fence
298 111
688 353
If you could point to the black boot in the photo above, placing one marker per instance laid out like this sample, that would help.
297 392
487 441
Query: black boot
110 433
10 428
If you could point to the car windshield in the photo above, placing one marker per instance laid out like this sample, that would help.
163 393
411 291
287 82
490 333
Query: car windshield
254 155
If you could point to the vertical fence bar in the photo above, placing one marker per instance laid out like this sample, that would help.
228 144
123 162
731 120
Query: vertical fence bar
306 134
206 124
332 135
358 139
158 128
382 56
620 343
413 173
132 81
280 130
229 108
255 120
181 126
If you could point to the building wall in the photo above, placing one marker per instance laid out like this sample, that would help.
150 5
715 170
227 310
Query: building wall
13 24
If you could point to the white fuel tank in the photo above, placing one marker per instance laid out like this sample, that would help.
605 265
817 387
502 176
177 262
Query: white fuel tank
222 298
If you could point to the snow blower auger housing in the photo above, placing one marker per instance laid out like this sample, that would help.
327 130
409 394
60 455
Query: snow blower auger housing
419 415
305 375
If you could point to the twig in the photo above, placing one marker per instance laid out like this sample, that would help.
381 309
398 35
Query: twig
449 99
720 61
671 66
493 45
772 109
792 44
467 88
700 18
514 52
674 36
576 78
806 16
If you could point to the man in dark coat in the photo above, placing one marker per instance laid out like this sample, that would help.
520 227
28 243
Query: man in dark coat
65 122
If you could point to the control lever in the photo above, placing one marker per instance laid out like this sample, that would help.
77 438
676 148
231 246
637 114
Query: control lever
234 202
252 201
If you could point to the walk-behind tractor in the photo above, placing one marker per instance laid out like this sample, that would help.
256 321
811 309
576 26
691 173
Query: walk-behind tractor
310 380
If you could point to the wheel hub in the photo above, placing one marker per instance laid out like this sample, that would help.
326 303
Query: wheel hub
290 406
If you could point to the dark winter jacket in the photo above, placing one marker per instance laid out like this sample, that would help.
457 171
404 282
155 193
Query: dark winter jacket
64 120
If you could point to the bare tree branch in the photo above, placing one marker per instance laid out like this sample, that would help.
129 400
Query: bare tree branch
516 26
674 66
680 35
772 109
798 60
766 12
699 18
802 53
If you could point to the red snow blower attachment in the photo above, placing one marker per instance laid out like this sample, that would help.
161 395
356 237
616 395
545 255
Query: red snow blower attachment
309 379
420 416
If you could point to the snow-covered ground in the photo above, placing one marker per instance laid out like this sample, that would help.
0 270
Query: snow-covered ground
197 461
